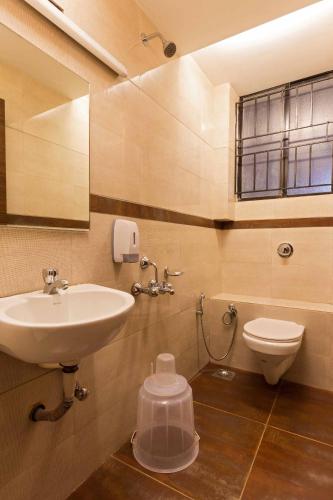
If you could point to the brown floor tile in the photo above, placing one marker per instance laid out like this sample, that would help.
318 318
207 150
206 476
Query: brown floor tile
247 394
115 481
227 448
289 467
304 410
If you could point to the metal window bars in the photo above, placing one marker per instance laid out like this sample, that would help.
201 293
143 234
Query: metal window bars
290 149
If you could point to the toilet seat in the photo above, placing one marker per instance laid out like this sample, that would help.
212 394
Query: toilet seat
274 330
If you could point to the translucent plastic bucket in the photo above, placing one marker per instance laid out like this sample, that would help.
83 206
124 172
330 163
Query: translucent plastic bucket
165 440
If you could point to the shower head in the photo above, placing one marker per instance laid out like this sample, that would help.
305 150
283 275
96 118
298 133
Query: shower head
169 48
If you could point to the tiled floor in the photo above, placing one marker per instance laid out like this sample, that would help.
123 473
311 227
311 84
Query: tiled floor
256 442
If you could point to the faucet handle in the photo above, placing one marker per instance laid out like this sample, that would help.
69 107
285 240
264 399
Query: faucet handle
50 275
168 273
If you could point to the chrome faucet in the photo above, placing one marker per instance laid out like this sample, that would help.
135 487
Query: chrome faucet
52 284
166 287
151 289
154 287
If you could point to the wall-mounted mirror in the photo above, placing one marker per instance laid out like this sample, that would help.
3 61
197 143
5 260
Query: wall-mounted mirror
44 138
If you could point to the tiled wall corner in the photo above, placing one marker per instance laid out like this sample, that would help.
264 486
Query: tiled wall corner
312 366
251 266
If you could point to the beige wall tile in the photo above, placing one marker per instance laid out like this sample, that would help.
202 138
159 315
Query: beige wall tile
66 124
305 371
313 284
247 278
15 372
306 275
47 141
23 442
49 479
25 252
58 190
261 209
247 245
312 246
125 21
285 208
104 435
225 100
181 88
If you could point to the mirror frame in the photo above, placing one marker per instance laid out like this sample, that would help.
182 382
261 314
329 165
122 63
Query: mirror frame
3 193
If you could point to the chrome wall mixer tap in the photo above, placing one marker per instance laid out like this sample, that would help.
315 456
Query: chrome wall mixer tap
154 286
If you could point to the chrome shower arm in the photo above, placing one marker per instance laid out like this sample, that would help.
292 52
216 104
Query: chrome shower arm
145 37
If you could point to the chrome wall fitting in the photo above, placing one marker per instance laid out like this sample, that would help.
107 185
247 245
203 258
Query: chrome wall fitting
154 287
224 374
145 263
229 317
285 250
81 393
166 287
168 273
52 283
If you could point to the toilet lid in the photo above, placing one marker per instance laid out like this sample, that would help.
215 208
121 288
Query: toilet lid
274 329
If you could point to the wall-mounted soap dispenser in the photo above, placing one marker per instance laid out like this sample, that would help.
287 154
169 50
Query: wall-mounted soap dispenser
125 241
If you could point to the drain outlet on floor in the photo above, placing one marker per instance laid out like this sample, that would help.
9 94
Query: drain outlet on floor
224 374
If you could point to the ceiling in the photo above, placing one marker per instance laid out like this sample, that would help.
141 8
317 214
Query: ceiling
193 24
288 48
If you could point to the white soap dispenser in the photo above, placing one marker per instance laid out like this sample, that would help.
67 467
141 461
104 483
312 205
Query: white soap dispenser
125 241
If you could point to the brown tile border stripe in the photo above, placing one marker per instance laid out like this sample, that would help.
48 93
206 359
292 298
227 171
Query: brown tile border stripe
277 223
114 206
49 222
104 205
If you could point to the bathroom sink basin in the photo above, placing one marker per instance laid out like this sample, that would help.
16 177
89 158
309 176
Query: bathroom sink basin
62 328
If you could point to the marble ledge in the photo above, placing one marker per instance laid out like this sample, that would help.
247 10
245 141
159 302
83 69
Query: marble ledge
270 301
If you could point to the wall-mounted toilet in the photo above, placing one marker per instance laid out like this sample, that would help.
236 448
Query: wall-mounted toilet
275 343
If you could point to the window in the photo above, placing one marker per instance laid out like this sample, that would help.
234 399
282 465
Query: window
284 142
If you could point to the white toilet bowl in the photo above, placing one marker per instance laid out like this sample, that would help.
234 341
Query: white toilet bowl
275 343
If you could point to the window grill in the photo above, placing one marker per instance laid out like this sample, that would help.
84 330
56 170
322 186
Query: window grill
284 140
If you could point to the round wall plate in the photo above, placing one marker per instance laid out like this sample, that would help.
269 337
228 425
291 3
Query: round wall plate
285 250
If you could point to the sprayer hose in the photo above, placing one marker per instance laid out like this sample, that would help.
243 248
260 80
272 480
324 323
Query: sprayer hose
232 338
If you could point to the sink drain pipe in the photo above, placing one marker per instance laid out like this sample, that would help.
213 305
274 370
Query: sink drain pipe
71 389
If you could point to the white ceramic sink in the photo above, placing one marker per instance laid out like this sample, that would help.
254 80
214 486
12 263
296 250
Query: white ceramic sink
61 328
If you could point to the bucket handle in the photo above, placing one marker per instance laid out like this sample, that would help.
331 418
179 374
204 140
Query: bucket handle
133 438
